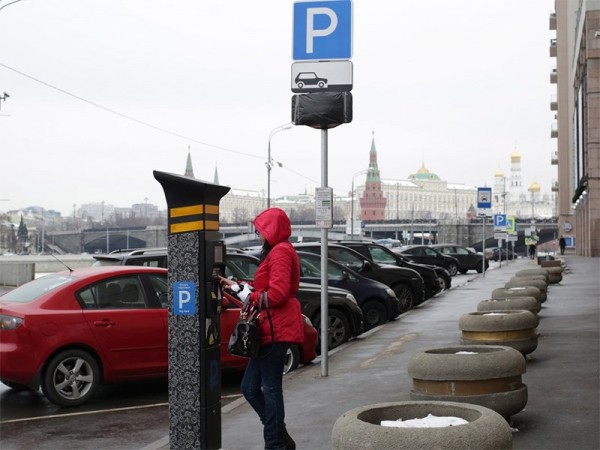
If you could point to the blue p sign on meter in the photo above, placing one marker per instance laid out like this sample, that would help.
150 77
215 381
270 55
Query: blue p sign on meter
322 30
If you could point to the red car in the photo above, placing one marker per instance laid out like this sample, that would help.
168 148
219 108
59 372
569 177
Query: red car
69 331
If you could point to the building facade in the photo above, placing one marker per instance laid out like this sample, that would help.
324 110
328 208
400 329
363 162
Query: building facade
577 127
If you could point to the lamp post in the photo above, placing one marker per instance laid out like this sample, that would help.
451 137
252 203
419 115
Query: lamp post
269 162
360 172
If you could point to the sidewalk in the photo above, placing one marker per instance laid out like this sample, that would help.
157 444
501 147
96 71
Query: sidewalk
562 376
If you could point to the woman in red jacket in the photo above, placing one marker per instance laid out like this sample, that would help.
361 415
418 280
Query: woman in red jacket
279 275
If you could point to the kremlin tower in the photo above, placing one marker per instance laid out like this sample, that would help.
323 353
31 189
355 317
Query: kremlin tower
372 202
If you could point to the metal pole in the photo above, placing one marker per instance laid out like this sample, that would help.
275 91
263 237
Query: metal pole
269 174
483 248
352 213
324 271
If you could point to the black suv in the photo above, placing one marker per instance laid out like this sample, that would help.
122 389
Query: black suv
435 278
467 259
407 284
345 316
426 255
377 301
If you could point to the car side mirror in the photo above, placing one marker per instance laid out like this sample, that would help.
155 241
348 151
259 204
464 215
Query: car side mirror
366 265
345 275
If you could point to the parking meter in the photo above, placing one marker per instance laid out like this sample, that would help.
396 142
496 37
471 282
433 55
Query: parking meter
196 258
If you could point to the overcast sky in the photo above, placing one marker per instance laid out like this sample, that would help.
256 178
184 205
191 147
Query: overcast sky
103 93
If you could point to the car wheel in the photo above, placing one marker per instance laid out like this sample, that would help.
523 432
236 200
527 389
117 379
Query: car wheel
292 359
71 378
405 295
300 84
442 282
374 314
16 386
321 84
453 269
338 330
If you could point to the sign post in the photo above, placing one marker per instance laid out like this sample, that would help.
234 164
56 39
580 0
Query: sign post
322 79
484 205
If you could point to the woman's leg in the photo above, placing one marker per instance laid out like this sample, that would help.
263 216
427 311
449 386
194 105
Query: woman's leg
251 388
272 379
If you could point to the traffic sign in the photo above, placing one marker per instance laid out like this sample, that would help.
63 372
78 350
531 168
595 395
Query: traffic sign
500 221
322 76
322 30
484 198
511 225
324 207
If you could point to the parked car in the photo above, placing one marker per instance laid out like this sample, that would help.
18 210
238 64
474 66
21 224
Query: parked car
467 259
424 254
345 316
374 298
384 255
407 284
70 331
503 254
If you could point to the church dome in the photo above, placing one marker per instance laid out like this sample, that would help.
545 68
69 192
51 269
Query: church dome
535 187
515 157
424 174
499 173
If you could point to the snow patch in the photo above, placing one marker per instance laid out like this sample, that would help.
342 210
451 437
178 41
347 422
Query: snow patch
430 421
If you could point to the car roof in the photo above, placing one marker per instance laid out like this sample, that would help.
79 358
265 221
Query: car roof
115 270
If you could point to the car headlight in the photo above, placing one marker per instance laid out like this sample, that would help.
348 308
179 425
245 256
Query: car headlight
351 298
9 322
390 292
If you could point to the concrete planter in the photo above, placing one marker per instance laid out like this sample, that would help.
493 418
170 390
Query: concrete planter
521 291
487 375
514 329
555 274
532 272
506 304
523 282
360 428
551 263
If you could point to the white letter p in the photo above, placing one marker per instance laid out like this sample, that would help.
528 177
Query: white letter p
310 23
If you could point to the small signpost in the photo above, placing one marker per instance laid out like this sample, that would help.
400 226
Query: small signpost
484 206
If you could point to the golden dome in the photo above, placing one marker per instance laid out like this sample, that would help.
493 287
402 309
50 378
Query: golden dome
535 187
423 169
516 156
499 173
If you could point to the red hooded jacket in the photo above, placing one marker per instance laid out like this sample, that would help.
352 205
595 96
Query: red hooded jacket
279 275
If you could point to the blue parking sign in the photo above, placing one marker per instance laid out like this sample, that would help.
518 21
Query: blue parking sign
500 220
322 30
184 298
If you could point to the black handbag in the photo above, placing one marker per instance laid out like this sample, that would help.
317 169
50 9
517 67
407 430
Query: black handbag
245 338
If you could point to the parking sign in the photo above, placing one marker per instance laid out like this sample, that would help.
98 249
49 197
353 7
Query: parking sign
322 30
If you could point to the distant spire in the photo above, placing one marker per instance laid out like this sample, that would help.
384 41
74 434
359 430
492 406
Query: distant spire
189 170
216 177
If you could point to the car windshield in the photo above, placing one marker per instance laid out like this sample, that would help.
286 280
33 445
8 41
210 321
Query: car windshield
36 288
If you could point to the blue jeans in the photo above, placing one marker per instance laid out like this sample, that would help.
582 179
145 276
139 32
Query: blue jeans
262 388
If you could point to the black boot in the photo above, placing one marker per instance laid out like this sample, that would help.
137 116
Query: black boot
288 441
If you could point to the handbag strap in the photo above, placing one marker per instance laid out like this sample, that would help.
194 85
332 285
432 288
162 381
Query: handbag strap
264 299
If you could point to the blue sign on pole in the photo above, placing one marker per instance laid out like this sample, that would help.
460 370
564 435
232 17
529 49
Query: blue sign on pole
500 220
322 30
184 298
484 198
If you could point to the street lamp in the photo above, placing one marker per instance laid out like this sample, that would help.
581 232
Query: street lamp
269 162
360 172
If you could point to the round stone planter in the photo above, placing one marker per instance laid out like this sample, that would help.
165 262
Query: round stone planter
521 291
523 282
532 272
551 263
484 375
555 274
360 428
514 329
506 304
